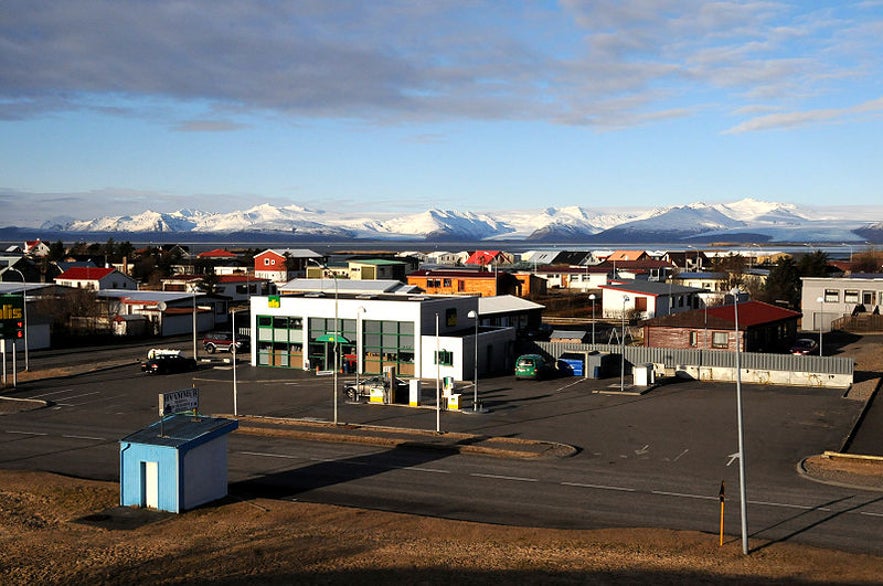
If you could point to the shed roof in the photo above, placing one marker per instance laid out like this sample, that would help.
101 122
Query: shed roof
176 431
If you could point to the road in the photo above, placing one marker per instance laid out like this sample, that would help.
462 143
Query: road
652 460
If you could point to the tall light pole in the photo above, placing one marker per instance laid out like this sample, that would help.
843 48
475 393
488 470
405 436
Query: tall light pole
336 336
233 350
743 504
474 315
625 299
821 301
437 379
592 299
193 291
359 311
24 305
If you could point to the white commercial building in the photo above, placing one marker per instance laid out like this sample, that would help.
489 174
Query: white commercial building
417 336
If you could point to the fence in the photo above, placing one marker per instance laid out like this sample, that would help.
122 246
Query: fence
718 365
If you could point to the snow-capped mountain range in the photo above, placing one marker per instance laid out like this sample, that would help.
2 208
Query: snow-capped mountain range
747 219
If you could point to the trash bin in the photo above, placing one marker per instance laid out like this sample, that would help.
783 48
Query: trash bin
643 374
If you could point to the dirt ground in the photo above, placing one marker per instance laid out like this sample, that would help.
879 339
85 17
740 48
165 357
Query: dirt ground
58 530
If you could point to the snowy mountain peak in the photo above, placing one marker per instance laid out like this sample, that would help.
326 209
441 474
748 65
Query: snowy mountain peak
760 219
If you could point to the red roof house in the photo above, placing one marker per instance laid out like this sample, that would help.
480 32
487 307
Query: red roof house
762 328
96 278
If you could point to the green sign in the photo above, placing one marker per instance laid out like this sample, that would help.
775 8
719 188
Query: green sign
11 316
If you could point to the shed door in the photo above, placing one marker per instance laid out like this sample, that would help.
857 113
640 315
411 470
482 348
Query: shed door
150 474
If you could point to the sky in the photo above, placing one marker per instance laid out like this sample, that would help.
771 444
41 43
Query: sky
396 107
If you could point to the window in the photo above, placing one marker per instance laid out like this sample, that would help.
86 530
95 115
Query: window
850 296
832 296
266 262
720 339
447 282
444 358
694 339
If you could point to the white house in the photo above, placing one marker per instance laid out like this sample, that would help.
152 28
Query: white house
647 299
825 299
95 278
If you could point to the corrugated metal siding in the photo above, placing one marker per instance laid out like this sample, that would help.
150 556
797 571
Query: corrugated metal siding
673 357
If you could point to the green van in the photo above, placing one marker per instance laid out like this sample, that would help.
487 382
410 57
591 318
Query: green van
534 366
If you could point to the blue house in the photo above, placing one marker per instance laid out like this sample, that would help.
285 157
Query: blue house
175 464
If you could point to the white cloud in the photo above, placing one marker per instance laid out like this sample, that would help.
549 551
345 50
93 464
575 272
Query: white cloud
600 63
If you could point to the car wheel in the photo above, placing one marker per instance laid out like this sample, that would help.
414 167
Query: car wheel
210 348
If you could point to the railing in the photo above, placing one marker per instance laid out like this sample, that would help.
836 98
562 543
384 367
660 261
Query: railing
678 358
860 322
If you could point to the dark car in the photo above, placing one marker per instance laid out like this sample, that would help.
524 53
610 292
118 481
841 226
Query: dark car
168 363
804 346
223 342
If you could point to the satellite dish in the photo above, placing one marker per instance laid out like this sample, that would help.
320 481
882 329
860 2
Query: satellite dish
161 306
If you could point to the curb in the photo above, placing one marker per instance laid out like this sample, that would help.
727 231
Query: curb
803 472
462 443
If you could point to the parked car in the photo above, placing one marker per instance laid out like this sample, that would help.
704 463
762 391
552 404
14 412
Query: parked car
361 391
533 366
167 361
804 346
223 342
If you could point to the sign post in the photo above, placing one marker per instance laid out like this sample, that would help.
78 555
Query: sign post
722 495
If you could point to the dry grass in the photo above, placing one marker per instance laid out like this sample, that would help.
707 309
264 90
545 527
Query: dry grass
281 542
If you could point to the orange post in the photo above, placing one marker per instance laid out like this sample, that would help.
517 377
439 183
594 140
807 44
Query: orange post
722 514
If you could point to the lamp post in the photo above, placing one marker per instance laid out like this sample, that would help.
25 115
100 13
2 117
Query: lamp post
592 299
437 380
625 299
743 504
233 350
336 336
359 311
474 315
821 301
24 305
195 357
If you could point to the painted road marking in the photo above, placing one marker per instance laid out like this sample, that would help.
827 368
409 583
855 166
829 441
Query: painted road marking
598 486
84 437
25 432
498 477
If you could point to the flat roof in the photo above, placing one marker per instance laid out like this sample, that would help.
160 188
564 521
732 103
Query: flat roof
179 430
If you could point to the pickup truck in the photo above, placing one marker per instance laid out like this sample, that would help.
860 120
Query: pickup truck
223 342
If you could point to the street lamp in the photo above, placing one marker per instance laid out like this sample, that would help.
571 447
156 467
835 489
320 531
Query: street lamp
359 311
24 305
821 301
474 315
233 351
193 291
335 336
592 299
625 299
743 504
437 379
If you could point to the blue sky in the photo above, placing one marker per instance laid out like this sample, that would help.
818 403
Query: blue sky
112 107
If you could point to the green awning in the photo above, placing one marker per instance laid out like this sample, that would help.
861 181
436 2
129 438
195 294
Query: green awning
332 338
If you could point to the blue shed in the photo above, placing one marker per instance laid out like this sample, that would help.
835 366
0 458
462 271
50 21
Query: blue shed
175 464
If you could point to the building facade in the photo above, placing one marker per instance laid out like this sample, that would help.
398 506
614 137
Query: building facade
419 336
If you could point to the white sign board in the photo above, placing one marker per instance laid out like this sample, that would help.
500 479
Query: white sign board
178 401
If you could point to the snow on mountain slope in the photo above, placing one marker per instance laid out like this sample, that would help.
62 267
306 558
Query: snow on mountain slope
148 221
266 217
691 218
437 223
778 222
755 211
